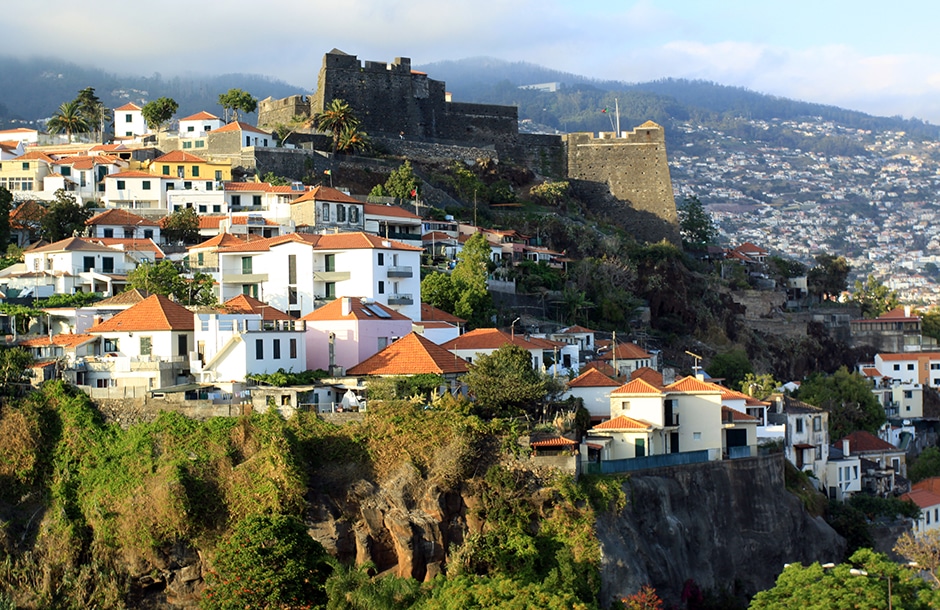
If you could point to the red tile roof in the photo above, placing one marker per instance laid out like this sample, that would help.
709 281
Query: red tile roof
130 244
120 217
325 193
222 240
244 303
923 498
330 241
73 244
262 187
334 311
931 484
622 422
576 329
133 173
179 156
555 441
627 351
691 385
212 221
488 338
63 340
592 378
603 367
411 355
911 356
154 313
648 375
429 312
375 209
861 441
200 116
128 297
128 106
639 386
239 126
737 416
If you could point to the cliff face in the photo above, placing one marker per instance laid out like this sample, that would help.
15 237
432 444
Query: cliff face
721 524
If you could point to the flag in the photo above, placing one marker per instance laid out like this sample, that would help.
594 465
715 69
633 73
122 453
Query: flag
604 111
328 172
414 192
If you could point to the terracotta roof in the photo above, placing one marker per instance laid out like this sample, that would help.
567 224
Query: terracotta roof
35 155
411 355
555 441
627 351
179 156
436 236
212 221
750 248
911 356
74 243
325 193
331 241
133 173
222 240
128 106
200 116
639 386
239 126
651 376
592 378
861 441
931 484
155 313
692 385
622 422
120 217
737 416
131 244
63 340
375 209
488 338
358 311
430 312
128 297
899 313
263 187
603 367
27 211
575 329
244 303
796 407
923 498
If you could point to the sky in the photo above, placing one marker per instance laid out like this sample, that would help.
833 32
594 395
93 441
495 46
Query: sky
882 58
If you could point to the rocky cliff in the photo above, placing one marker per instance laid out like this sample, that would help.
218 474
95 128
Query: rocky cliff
723 524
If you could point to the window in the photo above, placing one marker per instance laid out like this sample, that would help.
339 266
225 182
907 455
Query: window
896 465
329 263
216 209
640 445
818 452
625 405
935 366
195 171
218 175
120 185
330 290
208 186
259 349
110 345
170 186
256 200
817 424
382 343
250 289
246 265
381 259
325 212
277 349
200 259
109 233
236 199
88 263
190 128
340 213
166 170
908 393
291 295
203 209
897 367
200 143
293 348
910 367
187 144
799 424
145 185
354 214
292 269
107 264
381 287
26 165
187 185
66 171
128 118
148 233
696 436
146 346
182 345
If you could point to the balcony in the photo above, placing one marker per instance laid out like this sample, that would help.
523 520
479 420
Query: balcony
244 278
400 272
330 276
400 299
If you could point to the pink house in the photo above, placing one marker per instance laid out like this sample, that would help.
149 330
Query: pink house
348 330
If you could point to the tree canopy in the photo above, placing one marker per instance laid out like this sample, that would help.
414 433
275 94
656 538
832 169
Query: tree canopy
695 225
464 292
64 217
505 384
69 118
14 369
848 398
873 297
337 118
236 100
164 278
732 366
181 226
401 183
829 278
158 112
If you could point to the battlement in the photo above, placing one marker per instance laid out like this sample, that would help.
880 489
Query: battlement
337 60
647 133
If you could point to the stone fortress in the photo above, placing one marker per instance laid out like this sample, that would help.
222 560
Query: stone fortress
412 115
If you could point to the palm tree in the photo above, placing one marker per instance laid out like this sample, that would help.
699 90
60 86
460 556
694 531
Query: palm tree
69 118
353 140
94 110
337 117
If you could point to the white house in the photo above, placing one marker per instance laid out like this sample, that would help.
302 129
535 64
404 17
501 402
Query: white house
121 223
246 337
929 504
134 189
129 122
299 272
484 341
593 388
806 438
843 473
20 134
145 346
199 124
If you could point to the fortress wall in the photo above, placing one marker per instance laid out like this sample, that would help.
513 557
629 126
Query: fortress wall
272 111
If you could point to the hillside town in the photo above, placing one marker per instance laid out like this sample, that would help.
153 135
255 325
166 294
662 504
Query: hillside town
302 299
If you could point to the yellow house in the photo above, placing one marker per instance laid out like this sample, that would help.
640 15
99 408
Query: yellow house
186 166
26 173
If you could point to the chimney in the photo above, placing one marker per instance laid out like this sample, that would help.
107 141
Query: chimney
845 447
669 375
347 306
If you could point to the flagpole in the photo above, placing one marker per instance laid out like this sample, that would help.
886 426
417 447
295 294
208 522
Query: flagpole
617 107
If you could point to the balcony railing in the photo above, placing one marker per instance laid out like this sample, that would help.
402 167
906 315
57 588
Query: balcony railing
400 299
400 272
